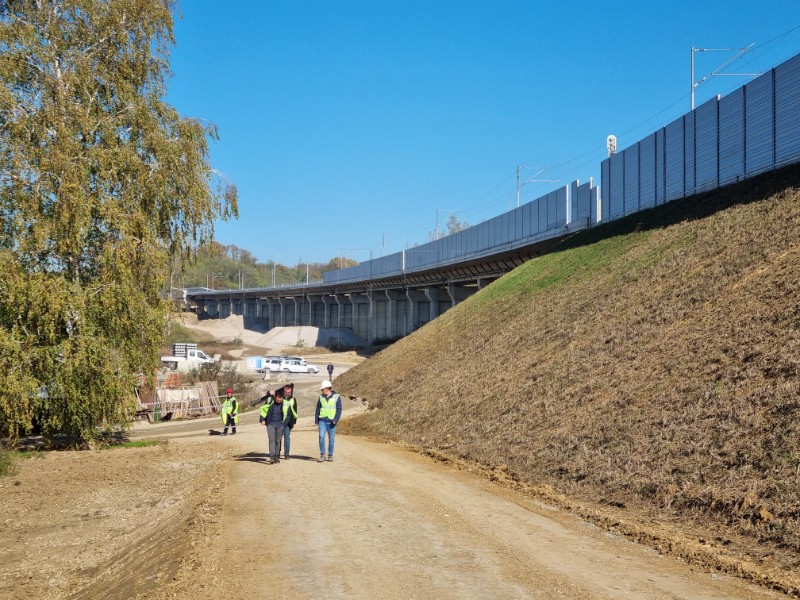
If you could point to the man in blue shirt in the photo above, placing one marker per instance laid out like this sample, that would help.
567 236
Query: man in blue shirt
329 411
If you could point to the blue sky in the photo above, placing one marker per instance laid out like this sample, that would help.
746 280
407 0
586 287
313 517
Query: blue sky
348 126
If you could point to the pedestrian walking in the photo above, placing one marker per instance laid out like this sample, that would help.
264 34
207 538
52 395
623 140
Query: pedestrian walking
330 370
329 411
273 416
290 409
229 412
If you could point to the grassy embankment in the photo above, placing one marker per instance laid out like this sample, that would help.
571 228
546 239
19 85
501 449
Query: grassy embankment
649 367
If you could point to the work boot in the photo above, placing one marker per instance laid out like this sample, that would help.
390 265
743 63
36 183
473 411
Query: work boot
330 458
321 458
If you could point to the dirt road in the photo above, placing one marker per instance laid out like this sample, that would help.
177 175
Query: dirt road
381 522
203 516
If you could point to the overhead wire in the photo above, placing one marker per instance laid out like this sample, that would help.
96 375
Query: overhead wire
565 168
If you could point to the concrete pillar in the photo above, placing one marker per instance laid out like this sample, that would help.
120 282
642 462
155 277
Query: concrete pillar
433 296
282 303
327 302
394 328
414 298
459 293
342 300
374 328
360 321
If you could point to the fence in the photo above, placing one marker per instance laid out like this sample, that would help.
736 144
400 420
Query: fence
753 129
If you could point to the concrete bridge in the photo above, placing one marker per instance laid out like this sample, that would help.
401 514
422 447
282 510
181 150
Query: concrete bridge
383 303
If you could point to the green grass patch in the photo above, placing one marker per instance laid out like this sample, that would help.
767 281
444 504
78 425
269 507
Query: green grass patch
132 444
7 466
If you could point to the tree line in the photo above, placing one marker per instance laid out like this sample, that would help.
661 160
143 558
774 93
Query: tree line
217 266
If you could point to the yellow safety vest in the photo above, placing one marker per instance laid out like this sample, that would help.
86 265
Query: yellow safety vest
230 407
327 406
290 403
284 407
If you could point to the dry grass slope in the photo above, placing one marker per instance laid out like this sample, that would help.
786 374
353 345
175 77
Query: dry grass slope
649 365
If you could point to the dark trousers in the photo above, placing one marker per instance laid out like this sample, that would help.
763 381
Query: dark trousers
275 435
230 422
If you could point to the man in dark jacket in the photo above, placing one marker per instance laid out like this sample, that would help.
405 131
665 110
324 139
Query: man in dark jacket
274 415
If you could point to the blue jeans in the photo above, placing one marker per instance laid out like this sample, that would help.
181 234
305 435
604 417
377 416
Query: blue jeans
330 429
287 435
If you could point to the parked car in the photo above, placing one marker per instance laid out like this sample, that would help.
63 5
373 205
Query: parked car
274 364
296 366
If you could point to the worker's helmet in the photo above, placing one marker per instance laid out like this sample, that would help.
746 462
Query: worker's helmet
325 384
229 391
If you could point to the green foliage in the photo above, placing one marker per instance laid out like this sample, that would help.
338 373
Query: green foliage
226 267
101 182
132 444
7 466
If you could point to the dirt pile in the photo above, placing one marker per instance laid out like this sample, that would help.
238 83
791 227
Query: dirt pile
650 365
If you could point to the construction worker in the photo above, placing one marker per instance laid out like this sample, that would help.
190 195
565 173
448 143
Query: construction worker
274 415
229 412
290 417
329 411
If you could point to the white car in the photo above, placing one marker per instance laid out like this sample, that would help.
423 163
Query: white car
273 365
296 366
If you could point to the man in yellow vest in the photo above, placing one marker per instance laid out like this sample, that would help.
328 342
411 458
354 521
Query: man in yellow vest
229 413
329 411
274 415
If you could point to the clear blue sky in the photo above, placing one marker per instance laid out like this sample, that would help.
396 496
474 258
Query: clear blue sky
347 125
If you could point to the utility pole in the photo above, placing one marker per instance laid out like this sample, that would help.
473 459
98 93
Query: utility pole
532 179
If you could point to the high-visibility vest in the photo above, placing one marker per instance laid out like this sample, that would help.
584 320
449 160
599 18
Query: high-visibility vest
284 407
290 403
230 407
327 406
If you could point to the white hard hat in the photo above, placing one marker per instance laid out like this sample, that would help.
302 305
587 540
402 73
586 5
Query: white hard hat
325 384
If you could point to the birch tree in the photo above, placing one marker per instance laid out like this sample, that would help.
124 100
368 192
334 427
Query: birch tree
101 182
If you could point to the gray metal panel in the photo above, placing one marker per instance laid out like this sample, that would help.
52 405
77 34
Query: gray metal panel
496 231
674 159
647 172
552 210
534 217
706 146
483 235
582 202
660 166
787 111
472 241
542 214
616 199
759 124
519 220
631 179
605 194
525 219
562 200
689 177
505 229
573 200
596 206
731 137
